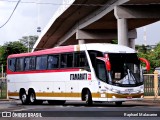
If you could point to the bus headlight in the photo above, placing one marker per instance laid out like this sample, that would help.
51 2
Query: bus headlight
142 90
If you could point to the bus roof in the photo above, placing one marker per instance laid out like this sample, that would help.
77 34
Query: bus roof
103 47
109 48
55 50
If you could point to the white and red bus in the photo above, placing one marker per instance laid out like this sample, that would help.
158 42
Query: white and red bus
87 72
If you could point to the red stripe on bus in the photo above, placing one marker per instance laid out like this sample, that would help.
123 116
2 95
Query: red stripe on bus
44 52
43 71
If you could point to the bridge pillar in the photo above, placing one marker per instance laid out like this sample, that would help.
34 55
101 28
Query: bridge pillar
132 43
81 41
123 32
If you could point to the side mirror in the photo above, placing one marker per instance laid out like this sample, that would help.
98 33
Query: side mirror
108 64
146 62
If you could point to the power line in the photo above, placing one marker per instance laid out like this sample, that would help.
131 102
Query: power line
11 14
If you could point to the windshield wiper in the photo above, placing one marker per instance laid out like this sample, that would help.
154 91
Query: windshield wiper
131 75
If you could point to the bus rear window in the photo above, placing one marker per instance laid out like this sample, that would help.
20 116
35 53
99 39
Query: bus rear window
11 64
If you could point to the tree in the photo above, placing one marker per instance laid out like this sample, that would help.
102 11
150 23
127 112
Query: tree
29 39
11 48
152 55
114 41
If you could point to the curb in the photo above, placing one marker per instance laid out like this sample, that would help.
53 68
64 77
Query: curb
5 99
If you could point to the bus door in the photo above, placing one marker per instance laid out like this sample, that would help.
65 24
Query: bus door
101 73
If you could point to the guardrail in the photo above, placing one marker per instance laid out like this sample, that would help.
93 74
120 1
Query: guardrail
3 88
151 85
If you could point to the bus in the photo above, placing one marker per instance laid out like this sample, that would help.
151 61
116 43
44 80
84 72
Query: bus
88 72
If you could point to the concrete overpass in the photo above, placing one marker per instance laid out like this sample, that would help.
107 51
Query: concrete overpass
98 21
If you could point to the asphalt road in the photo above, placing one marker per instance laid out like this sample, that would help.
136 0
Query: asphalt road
78 110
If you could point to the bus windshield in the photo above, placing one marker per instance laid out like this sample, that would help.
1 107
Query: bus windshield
125 69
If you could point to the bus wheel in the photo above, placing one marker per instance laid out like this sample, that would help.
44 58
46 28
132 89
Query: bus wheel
118 103
32 97
88 98
24 98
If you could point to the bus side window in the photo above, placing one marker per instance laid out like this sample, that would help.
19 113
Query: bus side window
80 60
32 63
19 64
26 63
53 61
11 64
63 63
66 60
41 63
69 60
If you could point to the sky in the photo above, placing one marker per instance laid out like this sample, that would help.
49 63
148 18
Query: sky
28 16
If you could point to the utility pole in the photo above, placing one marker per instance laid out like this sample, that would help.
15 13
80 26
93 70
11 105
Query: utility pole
144 36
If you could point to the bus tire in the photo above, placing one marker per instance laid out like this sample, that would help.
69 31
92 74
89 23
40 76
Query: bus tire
23 97
32 97
119 103
88 98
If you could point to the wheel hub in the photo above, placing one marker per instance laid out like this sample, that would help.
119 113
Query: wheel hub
24 97
32 98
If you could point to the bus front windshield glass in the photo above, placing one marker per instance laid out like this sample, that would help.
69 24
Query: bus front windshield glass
125 69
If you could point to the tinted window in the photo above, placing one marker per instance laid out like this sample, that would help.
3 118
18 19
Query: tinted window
53 61
80 59
11 64
32 63
41 63
66 60
26 63
19 64
69 60
63 60
93 54
101 71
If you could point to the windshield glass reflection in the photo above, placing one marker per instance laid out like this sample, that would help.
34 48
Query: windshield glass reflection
125 69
